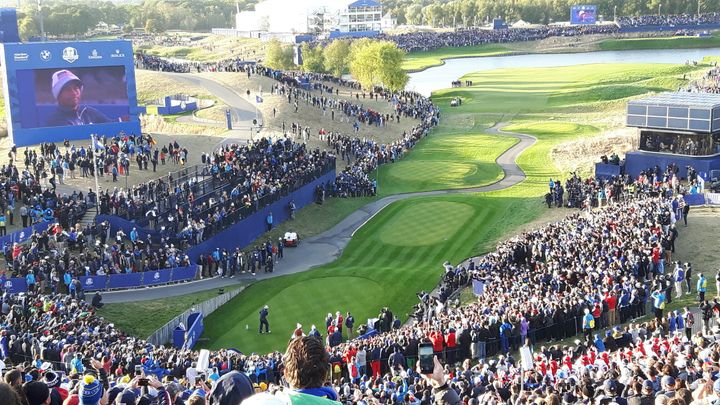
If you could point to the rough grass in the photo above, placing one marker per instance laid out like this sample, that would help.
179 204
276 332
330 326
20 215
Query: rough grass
132 317
211 48
422 60
680 42
152 86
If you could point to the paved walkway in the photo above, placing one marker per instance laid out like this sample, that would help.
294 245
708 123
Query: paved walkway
327 246
243 110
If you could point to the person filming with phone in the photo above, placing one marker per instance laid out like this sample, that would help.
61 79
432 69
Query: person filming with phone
432 371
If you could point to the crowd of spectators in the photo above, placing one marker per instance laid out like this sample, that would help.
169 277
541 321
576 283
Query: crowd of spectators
429 40
29 195
669 20
52 260
594 270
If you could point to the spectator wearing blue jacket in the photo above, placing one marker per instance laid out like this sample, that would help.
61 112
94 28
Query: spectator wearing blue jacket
599 344
30 280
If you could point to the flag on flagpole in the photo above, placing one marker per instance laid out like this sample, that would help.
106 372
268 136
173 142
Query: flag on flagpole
96 144
258 99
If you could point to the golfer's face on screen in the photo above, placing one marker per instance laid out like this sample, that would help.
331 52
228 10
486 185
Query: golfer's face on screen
69 96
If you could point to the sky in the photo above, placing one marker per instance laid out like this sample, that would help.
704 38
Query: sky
294 12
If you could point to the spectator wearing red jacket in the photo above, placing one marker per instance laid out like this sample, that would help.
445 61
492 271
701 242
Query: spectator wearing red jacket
438 342
611 301
451 346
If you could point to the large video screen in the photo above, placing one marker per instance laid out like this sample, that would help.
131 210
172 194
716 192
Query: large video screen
80 96
583 14
69 90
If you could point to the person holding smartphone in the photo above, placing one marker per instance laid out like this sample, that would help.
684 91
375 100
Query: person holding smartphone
442 393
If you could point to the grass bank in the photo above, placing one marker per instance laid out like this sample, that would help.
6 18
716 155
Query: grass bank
680 42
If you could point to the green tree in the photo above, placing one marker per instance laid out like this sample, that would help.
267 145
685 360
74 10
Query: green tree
468 9
313 59
390 71
413 14
278 56
27 27
378 63
336 57
153 25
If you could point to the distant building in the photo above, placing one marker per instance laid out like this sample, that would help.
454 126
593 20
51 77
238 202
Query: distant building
316 17
361 15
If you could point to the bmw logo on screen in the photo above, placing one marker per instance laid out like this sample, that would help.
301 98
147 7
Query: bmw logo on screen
45 55
70 54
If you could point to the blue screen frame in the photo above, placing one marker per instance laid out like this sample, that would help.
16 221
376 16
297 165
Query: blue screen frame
591 11
18 57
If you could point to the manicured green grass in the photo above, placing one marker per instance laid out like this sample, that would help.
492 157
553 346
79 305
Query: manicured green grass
680 42
534 90
421 60
142 318
457 155
381 266
400 250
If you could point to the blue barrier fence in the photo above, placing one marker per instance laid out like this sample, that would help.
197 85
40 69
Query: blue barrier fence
22 235
605 171
243 233
114 281
240 234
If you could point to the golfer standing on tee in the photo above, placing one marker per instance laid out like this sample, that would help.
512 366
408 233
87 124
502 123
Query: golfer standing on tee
263 320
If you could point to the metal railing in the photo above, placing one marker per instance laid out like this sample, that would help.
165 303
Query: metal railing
165 333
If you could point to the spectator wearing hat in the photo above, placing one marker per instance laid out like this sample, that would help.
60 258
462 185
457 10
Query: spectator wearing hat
67 89
91 391
231 389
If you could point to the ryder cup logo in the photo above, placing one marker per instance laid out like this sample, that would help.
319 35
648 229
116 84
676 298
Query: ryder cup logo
45 55
89 281
70 54
8 284
157 276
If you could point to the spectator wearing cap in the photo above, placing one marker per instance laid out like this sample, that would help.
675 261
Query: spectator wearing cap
231 389
126 397
667 387
91 391
57 393
701 287
67 89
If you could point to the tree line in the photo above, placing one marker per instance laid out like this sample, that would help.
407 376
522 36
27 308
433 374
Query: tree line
370 62
62 18
467 13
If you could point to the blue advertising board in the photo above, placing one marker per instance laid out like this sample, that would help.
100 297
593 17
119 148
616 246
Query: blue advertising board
154 277
69 90
184 273
195 329
15 285
93 283
129 280
583 14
